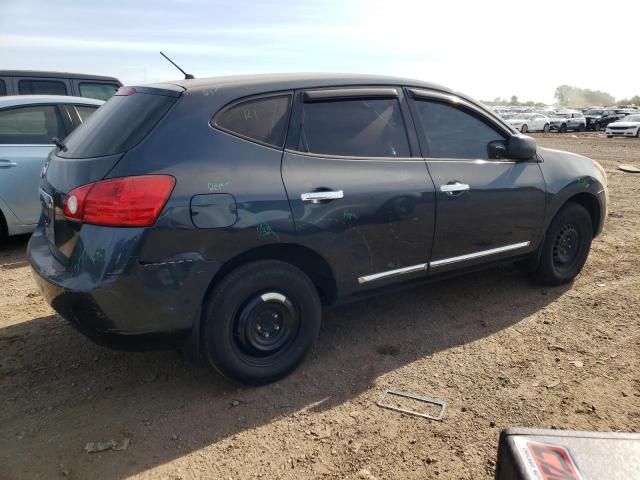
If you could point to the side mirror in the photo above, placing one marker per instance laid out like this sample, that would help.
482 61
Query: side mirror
521 147
497 149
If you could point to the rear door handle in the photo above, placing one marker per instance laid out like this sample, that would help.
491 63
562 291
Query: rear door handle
452 188
315 197
7 163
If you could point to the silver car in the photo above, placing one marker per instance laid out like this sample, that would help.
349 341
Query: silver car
27 125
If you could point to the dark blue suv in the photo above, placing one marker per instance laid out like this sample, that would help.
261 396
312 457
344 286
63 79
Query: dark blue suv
226 212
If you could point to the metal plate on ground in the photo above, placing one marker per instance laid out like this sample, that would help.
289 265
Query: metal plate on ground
431 401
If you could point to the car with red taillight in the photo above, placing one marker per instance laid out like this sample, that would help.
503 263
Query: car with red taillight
225 213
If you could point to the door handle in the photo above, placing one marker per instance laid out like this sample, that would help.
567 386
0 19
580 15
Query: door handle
453 188
7 163
315 197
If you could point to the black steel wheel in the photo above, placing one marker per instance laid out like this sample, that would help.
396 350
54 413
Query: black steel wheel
265 325
566 245
260 321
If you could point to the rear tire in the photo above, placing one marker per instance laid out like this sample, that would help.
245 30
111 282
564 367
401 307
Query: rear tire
545 129
582 128
566 245
260 322
638 133
563 128
524 128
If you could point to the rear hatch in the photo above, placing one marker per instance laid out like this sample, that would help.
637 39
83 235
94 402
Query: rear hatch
92 151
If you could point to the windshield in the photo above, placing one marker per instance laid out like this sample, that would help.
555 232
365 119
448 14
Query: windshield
561 115
631 118
522 116
593 112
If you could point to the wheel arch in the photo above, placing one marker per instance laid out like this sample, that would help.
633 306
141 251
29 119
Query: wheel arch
591 204
304 258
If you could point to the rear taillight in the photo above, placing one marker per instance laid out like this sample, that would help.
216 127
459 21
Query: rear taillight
120 202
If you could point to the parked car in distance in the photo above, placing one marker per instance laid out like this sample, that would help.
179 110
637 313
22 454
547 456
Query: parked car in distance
529 122
568 120
225 212
27 125
27 82
599 119
623 112
628 126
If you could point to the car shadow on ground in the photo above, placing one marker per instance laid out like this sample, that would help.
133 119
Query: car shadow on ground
14 247
60 391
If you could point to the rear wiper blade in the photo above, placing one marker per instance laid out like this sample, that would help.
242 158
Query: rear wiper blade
59 144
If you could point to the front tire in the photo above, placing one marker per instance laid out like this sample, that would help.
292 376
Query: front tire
566 245
524 128
260 322
563 128
545 129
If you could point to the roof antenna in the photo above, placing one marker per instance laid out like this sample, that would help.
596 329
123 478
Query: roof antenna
187 76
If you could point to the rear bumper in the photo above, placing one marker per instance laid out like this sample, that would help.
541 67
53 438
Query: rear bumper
113 298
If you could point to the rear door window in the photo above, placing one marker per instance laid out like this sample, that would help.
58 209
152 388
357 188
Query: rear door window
263 120
41 87
101 91
354 128
85 111
117 126
33 125
449 132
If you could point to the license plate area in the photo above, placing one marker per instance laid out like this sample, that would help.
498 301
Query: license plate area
48 213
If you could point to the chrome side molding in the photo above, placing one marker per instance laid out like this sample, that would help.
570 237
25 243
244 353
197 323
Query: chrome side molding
480 254
393 273
439 263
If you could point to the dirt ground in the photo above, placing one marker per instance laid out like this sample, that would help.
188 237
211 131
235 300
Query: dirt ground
500 349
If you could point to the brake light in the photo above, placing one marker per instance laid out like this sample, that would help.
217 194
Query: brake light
120 202
125 91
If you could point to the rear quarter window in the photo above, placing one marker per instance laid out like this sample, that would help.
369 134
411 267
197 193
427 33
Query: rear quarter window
85 111
263 120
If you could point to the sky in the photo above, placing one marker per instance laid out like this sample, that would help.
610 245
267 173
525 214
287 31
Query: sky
486 49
